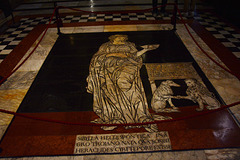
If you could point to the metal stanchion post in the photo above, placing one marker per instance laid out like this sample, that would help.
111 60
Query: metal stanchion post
58 19
174 17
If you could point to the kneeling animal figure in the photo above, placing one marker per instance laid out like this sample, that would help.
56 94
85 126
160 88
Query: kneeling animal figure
162 95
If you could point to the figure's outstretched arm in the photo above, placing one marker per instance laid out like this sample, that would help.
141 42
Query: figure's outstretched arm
139 53
147 48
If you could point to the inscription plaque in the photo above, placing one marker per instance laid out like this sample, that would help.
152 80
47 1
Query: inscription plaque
121 143
180 70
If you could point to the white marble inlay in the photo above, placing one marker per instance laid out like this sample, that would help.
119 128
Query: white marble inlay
85 15
116 14
23 26
11 29
218 36
92 17
6 51
66 21
124 16
14 43
2 47
211 29
69 16
117 19
224 32
100 15
83 20
122 143
107 17
228 29
28 29
17 32
22 35
228 44
76 18
233 40
150 18
9 39
148 13
100 20
133 19
237 54
236 35
141 16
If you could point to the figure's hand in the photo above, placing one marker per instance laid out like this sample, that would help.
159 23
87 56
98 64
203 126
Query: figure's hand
150 46
147 48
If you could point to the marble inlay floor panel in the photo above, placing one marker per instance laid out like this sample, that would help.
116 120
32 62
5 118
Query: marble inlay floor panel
216 80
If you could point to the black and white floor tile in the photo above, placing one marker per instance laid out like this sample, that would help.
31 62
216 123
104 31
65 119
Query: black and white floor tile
221 31
13 36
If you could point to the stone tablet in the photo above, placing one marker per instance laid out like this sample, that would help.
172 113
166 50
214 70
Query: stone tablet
122 143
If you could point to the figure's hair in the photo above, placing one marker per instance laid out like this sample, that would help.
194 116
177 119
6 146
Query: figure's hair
112 37
191 79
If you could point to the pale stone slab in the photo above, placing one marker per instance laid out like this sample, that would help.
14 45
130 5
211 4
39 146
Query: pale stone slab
173 155
67 30
88 29
237 54
153 27
122 143
223 154
10 100
3 128
19 80
115 28
158 71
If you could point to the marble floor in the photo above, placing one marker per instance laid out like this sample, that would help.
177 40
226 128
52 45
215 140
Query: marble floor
223 35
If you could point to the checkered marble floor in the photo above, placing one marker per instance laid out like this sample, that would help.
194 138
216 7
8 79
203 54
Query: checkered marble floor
221 31
13 36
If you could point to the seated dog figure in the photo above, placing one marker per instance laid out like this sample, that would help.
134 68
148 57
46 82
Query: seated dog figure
162 95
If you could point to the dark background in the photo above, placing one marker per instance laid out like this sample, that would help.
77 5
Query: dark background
60 85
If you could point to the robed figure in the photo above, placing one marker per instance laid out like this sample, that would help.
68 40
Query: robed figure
114 80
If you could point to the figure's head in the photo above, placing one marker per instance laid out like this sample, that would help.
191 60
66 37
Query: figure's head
190 82
117 38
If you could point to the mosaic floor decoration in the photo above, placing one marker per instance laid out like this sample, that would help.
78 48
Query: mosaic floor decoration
119 78
227 35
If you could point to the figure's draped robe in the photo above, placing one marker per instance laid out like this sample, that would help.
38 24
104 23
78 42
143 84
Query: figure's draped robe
114 81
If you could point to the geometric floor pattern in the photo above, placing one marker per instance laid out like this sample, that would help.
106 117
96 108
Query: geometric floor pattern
227 35
220 30
58 93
